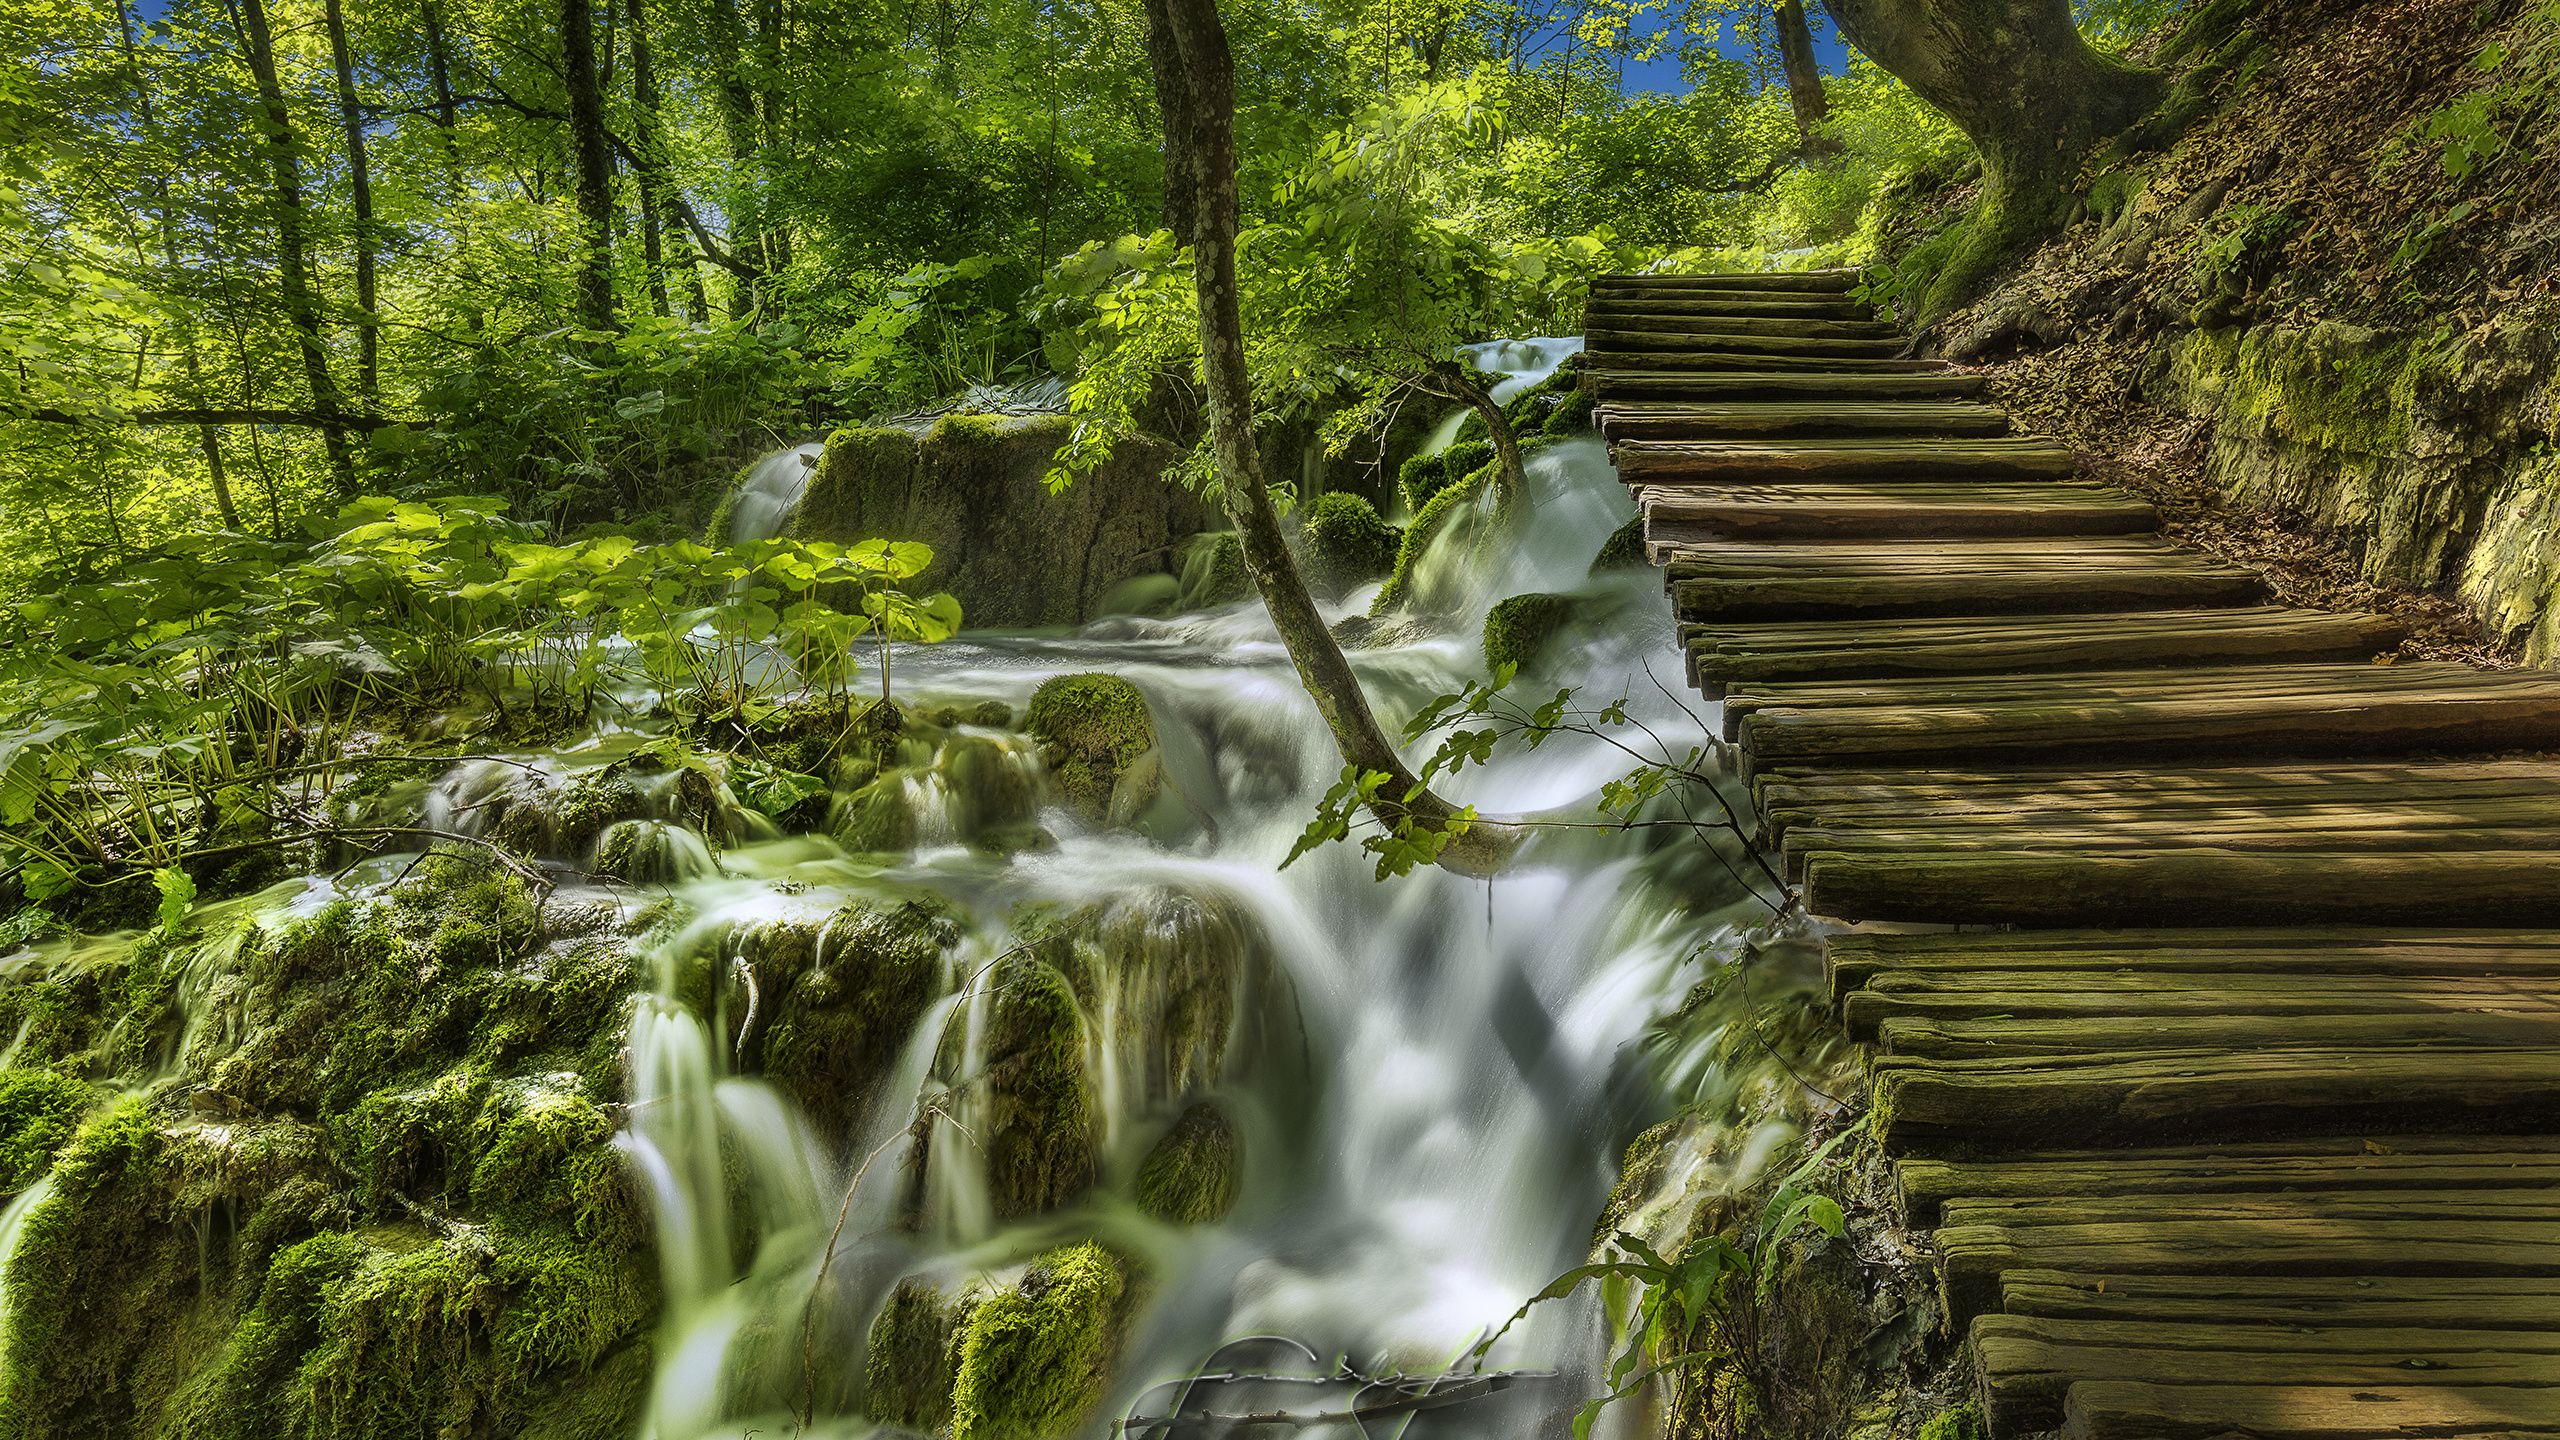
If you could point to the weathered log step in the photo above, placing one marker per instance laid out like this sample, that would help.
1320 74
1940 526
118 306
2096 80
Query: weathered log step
1835 281
1957 583
2163 788
2147 686
2250 835
2425 1162
1605 338
1852 510
2407 1410
2164 1096
1729 305
1714 559
1771 385
1720 657
1644 318
1618 420
1680 360
2027 1363
1877 458
2428 805
2206 885
2412 1028
1853 960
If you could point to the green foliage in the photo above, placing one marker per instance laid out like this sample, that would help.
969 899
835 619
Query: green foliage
39 1110
2240 244
1963 1422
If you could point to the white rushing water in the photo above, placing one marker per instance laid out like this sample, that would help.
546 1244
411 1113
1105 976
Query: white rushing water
1434 1077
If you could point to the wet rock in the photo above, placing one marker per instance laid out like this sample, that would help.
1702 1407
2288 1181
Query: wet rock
1213 573
1033 1110
1191 1176
1034 1359
1624 548
1346 542
1098 738
1519 629
840 1018
912 1361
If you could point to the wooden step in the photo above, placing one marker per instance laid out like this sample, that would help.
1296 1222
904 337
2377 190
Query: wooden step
1640 318
1680 515
1867 458
1770 385
2162 1096
1606 338
1729 305
1961 578
1991 1015
1671 361
2420 1162
1853 960
1821 281
1620 421
1721 656
2211 886
2410 1409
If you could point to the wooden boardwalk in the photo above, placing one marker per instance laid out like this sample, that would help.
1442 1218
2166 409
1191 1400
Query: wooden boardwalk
2245 1118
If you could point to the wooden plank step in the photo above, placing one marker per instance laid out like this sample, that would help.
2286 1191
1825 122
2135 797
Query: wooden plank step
2026 1363
1687 515
2251 835
2414 802
2206 885
2245 1029
1873 458
1959 580
1729 304
1858 959
1643 318
1752 559
1724 656
2234 682
1675 420
1925 1185
1668 360
2407 1410
1835 281
2163 1096
1797 386
2482 1302
1603 338
1996 998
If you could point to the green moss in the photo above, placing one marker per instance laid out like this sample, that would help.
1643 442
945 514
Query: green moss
1346 541
1213 570
39 1111
1418 537
837 1027
1425 476
1192 1174
1964 1422
589 804
1623 548
1033 1359
959 429
1093 729
2328 387
1572 414
912 1360
1518 629
1036 1102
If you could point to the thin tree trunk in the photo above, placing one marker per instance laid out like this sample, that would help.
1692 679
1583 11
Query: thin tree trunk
1804 75
293 261
1452 381
207 438
360 184
653 155
1195 87
738 122
594 175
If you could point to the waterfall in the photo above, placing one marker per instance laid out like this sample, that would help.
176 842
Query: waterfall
770 493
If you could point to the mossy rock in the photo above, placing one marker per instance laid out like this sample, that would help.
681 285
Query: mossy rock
911 1362
1094 731
1624 549
1426 526
1425 476
1034 1359
1520 628
1213 571
1192 1175
838 1026
1347 542
1964 1422
1032 1104
39 1112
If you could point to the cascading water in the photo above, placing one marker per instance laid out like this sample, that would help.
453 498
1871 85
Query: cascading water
1432 1078
770 492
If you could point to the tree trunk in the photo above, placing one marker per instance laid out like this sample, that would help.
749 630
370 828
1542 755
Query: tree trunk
594 165
738 122
1804 76
360 184
1452 381
2016 77
293 260
1195 89
653 155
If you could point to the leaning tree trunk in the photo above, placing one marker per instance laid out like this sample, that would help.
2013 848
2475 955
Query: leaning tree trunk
293 258
360 187
1804 77
1195 87
2031 94
595 166
1452 381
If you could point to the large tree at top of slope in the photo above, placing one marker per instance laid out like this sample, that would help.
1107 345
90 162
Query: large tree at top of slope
1195 87
2018 79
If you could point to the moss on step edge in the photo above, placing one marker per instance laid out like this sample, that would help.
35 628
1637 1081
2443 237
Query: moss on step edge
1033 1359
1518 629
1095 732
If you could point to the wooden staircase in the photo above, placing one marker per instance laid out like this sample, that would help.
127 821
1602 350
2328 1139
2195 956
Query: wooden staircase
2245 1121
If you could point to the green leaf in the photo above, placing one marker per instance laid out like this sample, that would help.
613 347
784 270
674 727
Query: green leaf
177 896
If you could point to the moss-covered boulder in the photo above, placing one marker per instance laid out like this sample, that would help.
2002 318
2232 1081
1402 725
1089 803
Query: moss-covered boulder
839 1023
1425 476
1191 1176
1212 571
1034 1359
1346 542
973 487
1624 549
912 1361
1099 742
1520 628
1404 587
1014 1056
39 1111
